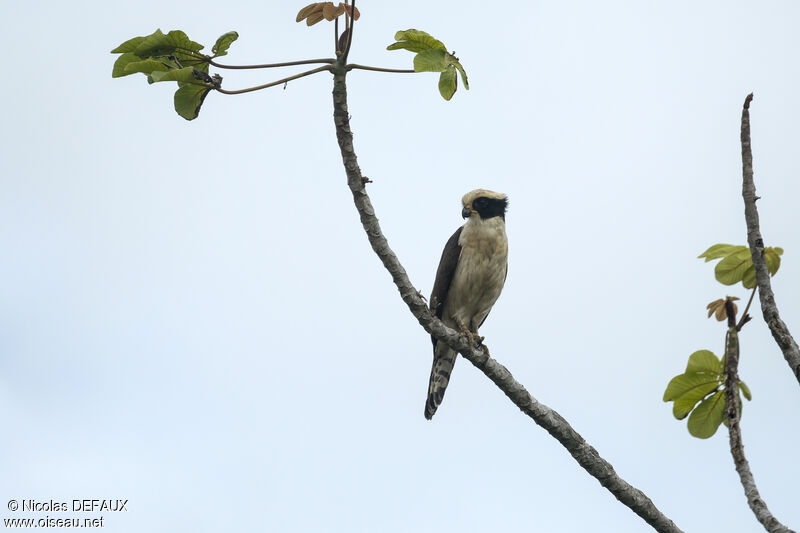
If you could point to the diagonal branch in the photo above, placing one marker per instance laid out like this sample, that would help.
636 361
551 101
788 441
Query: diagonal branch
780 332
758 506
545 417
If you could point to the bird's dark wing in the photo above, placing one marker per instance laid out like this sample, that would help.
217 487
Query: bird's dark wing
444 275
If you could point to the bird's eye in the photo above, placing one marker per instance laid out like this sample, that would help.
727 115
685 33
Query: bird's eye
480 202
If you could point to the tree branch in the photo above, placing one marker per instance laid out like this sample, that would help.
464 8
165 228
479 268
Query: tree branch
329 61
545 417
758 506
780 332
278 82
336 35
352 66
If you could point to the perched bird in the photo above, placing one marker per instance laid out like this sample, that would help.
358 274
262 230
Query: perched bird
469 279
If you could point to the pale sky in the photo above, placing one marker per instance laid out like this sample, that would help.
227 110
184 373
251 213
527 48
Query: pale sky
192 319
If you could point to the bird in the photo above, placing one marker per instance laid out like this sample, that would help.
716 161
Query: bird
469 279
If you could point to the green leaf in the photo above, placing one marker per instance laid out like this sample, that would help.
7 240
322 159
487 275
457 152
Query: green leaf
737 263
682 406
416 41
432 56
146 66
405 45
457 64
182 75
172 57
684 384
749 277
704 361
431 61
706 418
720 250
158 44
182 42
448 81
189 99
220 48
745 390
702 382
154 44
731 269
123 61
773 259
128 46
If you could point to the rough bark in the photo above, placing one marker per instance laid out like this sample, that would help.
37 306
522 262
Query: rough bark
757 505
545 417
769 308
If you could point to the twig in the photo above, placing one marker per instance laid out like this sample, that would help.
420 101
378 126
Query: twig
545 417
780 332
329 61
336 35
274 83
745 317
757 505
346 51
352 66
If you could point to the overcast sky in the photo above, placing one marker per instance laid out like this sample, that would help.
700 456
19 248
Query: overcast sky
192 319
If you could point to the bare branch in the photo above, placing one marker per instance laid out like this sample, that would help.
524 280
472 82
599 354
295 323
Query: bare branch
274 83
780 332
758 506
336 35
352 66
545 417
329 61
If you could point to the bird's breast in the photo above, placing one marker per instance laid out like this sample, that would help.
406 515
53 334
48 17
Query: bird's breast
481 271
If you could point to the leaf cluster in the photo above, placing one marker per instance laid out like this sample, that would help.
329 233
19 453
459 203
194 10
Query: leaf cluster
700 390
173 57
432 56
314 13
737 263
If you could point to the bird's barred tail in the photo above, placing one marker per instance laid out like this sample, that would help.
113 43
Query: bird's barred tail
440 376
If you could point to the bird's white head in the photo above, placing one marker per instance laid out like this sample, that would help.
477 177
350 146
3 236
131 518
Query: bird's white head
484 204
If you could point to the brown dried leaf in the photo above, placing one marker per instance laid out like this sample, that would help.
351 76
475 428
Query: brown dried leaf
314 18
328 10
717 308
306 11
349 10
317 11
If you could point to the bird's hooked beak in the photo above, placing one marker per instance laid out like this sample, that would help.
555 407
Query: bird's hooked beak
466 212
